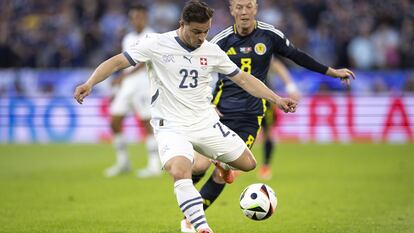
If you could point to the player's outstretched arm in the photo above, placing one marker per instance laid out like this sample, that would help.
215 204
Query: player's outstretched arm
102 72
304 60
258 89
344 75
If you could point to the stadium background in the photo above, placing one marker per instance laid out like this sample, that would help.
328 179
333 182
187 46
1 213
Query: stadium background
365 181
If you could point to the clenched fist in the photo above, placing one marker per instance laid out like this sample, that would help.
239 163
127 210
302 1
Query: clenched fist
286 104
82 91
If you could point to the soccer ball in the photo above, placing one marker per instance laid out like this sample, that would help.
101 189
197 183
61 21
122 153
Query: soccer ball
258 201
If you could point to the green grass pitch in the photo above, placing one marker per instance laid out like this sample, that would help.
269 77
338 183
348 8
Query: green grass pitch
320 188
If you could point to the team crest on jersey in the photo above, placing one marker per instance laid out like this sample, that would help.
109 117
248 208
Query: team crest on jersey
245 50
231 51
260 48
203 61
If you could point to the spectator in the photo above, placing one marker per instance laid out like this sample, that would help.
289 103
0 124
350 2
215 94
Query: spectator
56 33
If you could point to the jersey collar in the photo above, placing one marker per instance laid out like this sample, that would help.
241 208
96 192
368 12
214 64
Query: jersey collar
182 44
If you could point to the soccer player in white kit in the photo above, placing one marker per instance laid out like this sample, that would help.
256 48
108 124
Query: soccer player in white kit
133 93
179 64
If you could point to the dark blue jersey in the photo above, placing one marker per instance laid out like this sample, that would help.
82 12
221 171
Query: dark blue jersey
253 54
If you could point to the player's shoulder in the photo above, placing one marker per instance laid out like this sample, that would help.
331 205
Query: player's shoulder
222 35
269 29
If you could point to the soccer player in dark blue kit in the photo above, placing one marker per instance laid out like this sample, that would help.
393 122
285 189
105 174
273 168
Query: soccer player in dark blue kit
251 45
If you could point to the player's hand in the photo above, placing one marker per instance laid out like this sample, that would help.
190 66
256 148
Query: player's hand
344 75
82 91
286 104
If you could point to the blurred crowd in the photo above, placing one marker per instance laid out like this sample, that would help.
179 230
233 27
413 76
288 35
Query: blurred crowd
362 34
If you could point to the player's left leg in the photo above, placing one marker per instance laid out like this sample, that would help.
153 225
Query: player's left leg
247 129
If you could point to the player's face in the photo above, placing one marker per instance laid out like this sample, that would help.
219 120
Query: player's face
195 33
244 13
138 19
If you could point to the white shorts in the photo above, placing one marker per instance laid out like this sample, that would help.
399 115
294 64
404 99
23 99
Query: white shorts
213 140
133 95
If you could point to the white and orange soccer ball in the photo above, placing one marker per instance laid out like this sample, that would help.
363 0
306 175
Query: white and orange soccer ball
258 201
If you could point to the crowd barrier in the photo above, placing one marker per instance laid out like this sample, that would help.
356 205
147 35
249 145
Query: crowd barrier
38 107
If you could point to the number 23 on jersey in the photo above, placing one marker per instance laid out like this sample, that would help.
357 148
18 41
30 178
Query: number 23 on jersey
190 78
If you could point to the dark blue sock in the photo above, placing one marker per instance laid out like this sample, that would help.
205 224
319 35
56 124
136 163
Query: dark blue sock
268 150
197 177
210 191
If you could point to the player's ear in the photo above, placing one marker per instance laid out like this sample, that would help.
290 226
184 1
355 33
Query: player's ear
181 23
257 8
231 10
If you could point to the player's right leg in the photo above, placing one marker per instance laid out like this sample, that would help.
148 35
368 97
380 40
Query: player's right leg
176 155
247 130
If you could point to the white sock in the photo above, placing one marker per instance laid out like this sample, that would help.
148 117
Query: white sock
190 202
120 146
152 149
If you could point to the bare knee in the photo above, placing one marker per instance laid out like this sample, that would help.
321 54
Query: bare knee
179 173
246 162
179 168
251 165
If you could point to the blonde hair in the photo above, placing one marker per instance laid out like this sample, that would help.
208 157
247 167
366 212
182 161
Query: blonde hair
232 1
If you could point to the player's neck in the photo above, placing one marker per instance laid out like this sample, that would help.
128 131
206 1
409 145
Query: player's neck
244 31
181 37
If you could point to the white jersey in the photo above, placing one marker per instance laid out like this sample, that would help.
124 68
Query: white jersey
180 76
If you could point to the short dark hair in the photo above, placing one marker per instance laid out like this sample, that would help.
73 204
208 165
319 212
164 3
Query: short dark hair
138 7
196 11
